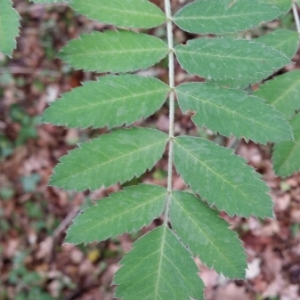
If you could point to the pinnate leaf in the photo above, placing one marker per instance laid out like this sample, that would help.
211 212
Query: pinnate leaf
112 101
282 92
9 27
286 155
111 158
227 58
111 51
124 13
221 178
158 267
286 41
207 235
230 111
123 212
221 16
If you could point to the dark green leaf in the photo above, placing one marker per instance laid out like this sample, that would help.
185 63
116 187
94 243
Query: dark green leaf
286 155
226 58
112 101
123 212
221 178
283 5
124 13
112 158
230 111
112 51
9 27
282 92
221 16
207 235
158 267
286 41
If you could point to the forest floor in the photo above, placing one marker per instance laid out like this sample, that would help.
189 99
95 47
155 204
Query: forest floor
34 262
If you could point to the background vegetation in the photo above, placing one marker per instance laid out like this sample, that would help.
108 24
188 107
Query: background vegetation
33 217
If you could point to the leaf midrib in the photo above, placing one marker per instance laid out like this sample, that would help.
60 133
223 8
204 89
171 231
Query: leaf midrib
221 56
110 160
139 13
286 91
154 199
111 52
218 175
205 234
113 100
222 107
214 17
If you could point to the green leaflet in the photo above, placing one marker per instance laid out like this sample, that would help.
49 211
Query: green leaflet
123 212
111 51
50 1
207 235
222 16
283 5
124 13
286 155
286 41
9 27
230 111
282 92
111 158
112 101
221 178
226 58
158 267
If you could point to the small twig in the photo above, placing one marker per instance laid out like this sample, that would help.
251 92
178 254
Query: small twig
64 224
296 16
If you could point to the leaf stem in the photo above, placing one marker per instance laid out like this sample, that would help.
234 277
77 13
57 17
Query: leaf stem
171 106
296 16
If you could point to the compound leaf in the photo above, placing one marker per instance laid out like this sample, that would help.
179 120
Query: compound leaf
230 111
158 267
124 13
226 58
286 155
9 27
221 178
111 51
283 5
207 235
112 101
111 158
282 92
286 41
123 212
221 16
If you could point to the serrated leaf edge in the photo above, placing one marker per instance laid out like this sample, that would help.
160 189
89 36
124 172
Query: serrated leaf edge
257 178
240 77
283 120
107 198
204 233
103 186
